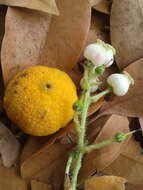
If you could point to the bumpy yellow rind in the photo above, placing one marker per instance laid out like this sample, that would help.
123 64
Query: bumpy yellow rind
40 100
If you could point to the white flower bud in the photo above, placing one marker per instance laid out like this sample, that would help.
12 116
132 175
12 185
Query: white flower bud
120 83
100 53
94 85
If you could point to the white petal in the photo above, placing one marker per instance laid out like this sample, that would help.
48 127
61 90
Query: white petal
119 83
109 58
95 53
94 87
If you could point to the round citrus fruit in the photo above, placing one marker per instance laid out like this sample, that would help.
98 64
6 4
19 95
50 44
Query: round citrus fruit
40 100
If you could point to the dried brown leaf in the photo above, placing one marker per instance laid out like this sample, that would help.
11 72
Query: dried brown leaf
95 107
127 31
9 146
130 104
98 25
11 180
20 28
94 2
67 183
60 47
103 7
48 6
99 159
129 164
134 187
43 165
2 24
37 185
97 30
105 182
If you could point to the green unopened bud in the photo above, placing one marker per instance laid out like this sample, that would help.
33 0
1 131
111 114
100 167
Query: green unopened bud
119 137
78 106
100 70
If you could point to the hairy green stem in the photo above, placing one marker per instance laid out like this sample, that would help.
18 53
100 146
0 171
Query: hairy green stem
83 118
76 169
119 137
100 95
76 158
99 145
81 140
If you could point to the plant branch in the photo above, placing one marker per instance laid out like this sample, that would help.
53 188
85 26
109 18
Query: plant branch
119 137
100 95
89 148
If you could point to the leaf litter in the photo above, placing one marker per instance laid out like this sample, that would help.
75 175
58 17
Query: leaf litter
48 6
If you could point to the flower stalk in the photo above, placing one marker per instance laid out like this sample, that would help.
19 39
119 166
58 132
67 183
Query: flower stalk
93 67
80 118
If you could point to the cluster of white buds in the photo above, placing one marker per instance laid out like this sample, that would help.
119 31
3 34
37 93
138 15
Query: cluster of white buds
101 54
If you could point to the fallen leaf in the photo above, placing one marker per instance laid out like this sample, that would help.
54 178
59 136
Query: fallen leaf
35 144
43 165
127 31
134 187
94 2
60 47
37 185
129 164
32 145
9 146
19 29
95 107
97 160
105 182
11 180
2 24
48 6
103 7
94 128
97 30
130 104
98 25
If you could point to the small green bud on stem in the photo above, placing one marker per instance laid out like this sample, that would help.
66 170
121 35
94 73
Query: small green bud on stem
78 106
100 70
119 137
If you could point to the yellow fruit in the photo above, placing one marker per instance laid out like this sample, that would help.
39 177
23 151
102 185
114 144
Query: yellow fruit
40 100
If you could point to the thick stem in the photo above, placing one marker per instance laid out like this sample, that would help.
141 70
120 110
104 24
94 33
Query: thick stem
83 118
76 169
81 143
